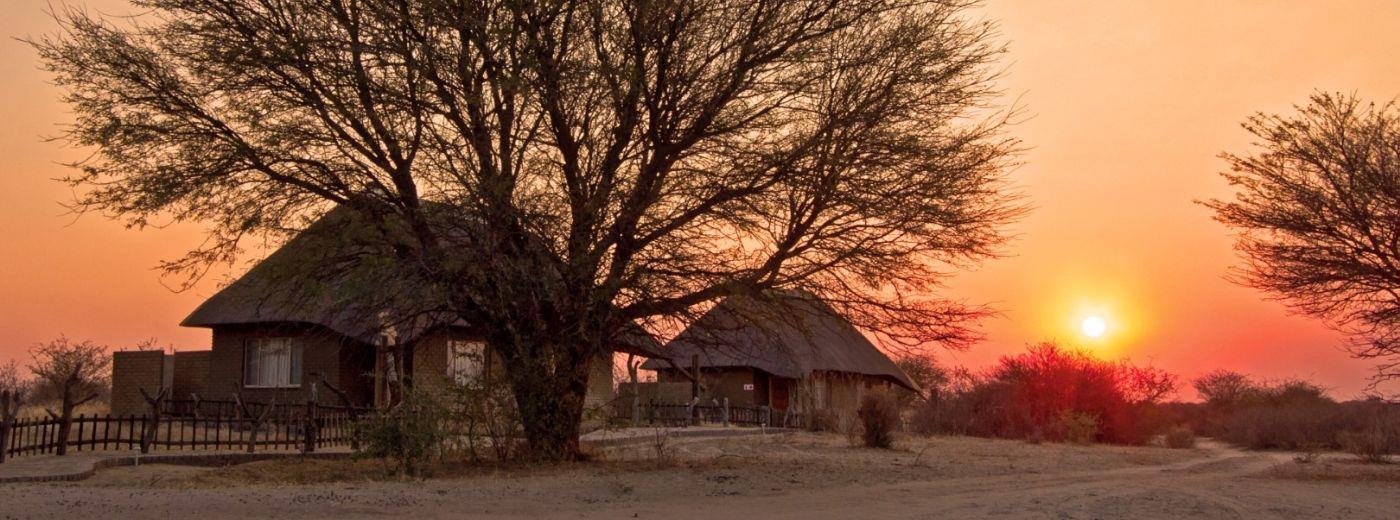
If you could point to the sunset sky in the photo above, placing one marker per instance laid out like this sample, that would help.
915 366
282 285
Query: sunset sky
1128 105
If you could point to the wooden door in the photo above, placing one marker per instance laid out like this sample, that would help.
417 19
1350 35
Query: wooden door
780 387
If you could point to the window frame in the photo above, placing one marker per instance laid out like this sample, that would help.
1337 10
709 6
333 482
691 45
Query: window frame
252 348
456 376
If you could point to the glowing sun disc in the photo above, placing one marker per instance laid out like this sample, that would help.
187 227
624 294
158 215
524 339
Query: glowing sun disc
1093 326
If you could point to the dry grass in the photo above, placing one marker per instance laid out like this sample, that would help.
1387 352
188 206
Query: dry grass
38 409
724 466
299 472
1336 470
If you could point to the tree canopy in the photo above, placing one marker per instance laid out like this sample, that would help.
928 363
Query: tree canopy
1317 212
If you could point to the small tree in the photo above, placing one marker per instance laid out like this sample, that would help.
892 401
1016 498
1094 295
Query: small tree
1223 388
73 374
10 378
925 372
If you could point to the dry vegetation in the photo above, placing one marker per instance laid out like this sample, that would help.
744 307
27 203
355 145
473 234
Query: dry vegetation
780 462
815 475
1051 393
1334 467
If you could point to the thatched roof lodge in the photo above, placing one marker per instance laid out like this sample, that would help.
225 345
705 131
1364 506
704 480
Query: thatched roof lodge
787 350
330 308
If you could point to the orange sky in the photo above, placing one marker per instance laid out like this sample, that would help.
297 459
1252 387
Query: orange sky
1130 104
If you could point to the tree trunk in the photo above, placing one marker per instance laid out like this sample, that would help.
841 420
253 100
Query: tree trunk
549 386
636 391
65 421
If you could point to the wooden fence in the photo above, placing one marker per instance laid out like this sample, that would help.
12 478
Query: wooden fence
688 415
207 425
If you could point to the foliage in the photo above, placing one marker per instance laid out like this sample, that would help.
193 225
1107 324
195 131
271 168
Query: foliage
1223 388
483 415
1077 427
1179 438
407 436
559 171
1055 393
1315 216
11 379
1373 444
823 421
923 369
879 418
70 372
1290 415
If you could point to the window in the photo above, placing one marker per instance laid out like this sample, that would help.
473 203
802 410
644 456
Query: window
272 363
466 361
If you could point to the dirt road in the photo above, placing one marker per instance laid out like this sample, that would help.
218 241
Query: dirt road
801 477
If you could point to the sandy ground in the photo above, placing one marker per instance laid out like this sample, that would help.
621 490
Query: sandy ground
786 476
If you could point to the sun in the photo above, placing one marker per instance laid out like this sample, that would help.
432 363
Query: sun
1093 327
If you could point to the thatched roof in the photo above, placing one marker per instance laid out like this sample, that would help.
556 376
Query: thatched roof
789 334
339 274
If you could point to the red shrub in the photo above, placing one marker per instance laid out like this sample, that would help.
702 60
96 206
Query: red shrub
1032 394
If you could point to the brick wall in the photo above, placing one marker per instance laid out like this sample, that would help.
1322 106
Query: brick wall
191 374
665 393
132 371
600 382
721 383
430 360
320 356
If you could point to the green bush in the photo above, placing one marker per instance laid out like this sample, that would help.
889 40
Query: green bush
405 437
879 418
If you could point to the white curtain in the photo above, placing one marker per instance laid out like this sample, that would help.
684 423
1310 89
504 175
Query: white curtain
273 362
466 361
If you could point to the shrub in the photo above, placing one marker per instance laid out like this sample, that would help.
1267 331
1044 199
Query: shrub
405 437
1294 415
482 414
879 418
1179 438
823 421
850 427
925 372
1370 445
1055 392
1078 427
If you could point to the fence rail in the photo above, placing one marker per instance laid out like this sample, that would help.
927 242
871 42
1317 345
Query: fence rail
685 415
181 425
231 408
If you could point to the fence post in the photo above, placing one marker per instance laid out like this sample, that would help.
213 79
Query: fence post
151 432
310 429
724 412
5 423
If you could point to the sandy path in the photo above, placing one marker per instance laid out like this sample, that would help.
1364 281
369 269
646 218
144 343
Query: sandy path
1218 482
1220 486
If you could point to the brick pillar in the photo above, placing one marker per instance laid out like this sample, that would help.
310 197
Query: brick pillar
132 371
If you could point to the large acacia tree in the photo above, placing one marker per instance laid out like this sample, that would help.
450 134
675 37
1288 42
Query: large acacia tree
561 169
1317 213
